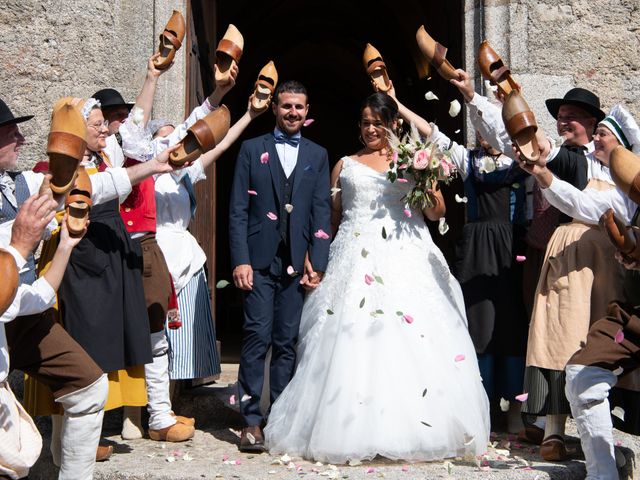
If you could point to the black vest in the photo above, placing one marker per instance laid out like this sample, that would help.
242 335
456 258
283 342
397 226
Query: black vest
286 190
8 212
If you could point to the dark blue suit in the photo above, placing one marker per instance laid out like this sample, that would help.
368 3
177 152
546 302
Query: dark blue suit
272 308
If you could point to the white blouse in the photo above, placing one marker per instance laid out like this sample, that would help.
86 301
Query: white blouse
173 213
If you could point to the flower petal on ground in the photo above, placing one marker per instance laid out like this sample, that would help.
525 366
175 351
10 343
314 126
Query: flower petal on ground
272 216
264 158
522 397
308 122
454 108
321 234
619 338
430 96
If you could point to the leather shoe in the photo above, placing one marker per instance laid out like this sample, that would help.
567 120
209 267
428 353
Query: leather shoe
104 452
553 449
252 439
531 434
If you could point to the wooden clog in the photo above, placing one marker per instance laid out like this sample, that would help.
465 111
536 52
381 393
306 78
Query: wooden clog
520 123
436 54
620 236
78 203
228 51
66 146
493 69
203 135
625 171
10 279
264 87
170 41
376 69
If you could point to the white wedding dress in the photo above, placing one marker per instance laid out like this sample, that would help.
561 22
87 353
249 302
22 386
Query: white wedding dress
384 367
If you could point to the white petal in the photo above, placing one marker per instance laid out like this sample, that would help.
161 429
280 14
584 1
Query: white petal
288 207
285 458
457 131
171 458
245 398
335 190
618 412
460 199
442 226
187 458
504 405
251 438
454 108
618 371
430 96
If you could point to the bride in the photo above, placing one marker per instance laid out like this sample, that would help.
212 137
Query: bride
386 365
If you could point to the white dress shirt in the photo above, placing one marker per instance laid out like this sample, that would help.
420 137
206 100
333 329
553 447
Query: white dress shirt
29 299
288 154
173 213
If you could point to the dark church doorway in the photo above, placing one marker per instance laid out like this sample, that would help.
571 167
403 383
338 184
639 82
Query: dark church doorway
320 44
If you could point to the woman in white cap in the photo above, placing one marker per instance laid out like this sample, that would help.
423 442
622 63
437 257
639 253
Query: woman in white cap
579 277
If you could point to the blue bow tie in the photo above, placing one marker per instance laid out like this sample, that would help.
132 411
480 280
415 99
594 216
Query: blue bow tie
282 138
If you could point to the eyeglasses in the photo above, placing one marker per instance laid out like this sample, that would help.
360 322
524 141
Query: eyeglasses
99 125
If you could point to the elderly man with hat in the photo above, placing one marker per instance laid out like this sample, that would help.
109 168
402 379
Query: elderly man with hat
37 344
612 348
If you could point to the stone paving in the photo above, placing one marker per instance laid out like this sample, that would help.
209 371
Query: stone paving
213 453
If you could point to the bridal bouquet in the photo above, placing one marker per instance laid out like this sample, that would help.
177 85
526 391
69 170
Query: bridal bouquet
424 161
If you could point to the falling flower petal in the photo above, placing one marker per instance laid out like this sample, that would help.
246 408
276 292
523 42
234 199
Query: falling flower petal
321 234
272 216
252 192
368 279
264 158
430 96
378 279
619 336
504 405
443 228
308 122
458 358
515 186
364 253
454 108
329 311
232 400
384 233
288 207
245 398
407 318
335 190
362 302
290 271
402 180
222 284
618 371
407 213
520 258
457 131
425 424
618 412
424 393
251 438
460 199
522 397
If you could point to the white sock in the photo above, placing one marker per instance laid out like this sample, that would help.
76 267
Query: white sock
131 423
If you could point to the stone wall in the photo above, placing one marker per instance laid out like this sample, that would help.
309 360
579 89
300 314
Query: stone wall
52 48
554 45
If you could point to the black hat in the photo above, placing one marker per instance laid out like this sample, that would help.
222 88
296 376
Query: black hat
7 118
579 97
110 97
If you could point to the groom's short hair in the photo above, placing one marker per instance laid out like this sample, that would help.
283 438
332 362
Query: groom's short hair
290 86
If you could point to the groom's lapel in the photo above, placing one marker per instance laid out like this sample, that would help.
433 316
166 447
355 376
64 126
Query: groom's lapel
274 160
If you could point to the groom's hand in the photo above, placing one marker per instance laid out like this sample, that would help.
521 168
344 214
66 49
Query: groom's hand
243 277
310 279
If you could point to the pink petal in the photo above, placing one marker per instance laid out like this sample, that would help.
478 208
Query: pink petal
225 457
619 336
522 397
407 213
368 279
405 469
291 271
402 180
252 192
520 258
238 462
232 400
407 318
308 122
321 234
371 470
272 216
618 443
460 357
404 166
264 158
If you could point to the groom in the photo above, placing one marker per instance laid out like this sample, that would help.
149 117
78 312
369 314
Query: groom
280 218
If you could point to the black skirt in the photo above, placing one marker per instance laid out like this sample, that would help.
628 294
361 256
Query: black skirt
101 297
491 281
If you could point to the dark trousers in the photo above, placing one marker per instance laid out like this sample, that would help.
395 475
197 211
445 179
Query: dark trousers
156 281
272 312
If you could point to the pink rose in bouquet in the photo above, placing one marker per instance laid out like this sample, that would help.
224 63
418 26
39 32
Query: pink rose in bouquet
421 159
